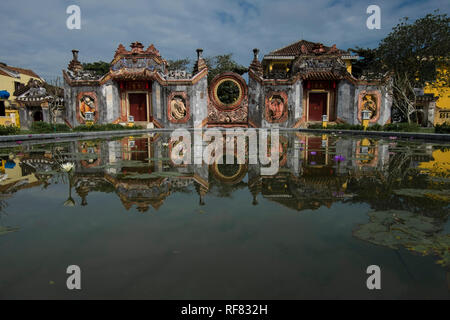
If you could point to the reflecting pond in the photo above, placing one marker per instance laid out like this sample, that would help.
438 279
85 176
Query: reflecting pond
141 226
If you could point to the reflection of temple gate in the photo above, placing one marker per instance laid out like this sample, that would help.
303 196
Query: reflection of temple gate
316 154
228 101
139 151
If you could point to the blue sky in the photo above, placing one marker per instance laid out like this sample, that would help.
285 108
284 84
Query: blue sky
35 35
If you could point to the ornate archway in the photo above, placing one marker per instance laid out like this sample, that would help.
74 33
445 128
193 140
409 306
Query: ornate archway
228 101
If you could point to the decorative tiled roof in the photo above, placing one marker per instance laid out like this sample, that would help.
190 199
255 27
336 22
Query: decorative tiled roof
136 48
83 75
36 91
27 72
15 72
3 73
322 75
304 47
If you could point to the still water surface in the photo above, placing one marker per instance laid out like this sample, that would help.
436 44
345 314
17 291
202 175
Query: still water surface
140 226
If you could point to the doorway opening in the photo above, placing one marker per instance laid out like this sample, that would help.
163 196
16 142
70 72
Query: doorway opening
138 106
317 105
38 116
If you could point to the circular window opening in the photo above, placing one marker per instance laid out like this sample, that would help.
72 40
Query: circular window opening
229 173
228 92
229 170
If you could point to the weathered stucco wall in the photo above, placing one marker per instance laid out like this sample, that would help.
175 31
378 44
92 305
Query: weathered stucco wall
110 94
71 97
108 102
257 103
385 103
197 97
345 107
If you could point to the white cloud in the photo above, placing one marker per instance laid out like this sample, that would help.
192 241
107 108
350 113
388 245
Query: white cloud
35 34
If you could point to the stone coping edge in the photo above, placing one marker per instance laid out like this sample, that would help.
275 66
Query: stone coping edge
65 135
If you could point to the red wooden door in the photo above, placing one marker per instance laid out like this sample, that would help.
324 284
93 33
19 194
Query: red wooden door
138 106
317 106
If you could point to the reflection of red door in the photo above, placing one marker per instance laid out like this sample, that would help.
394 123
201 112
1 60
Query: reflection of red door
140 150
316 154
317 106
138 106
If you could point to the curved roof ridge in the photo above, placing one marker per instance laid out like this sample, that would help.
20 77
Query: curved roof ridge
293 43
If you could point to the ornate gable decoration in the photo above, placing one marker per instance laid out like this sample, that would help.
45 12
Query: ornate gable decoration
136 48
323 68
137 61
309 64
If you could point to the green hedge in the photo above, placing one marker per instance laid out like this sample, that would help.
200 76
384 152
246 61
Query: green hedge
338 126
442 128
45 127
399 127
402 127
8 130
104 127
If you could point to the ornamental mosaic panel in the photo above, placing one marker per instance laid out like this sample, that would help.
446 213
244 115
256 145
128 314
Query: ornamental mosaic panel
179 155
87 107
367 153
276 107
91 153
228 100
137 63
370 101
178 107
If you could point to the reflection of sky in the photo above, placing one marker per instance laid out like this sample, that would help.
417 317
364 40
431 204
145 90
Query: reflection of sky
43 43
225 249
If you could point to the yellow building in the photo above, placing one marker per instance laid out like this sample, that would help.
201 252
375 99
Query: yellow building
442 93
11 79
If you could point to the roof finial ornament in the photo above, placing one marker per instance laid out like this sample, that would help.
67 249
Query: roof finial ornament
200 64
255 53
199 53
75 55
75 65
137 47
256 65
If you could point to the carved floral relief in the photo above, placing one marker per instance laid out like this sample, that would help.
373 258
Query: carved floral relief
276 107
87 107
370 101
178 107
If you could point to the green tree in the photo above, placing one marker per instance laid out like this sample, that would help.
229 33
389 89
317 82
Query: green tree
180 64
100 68
417 49
228 91
368 64
414 54
223 63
